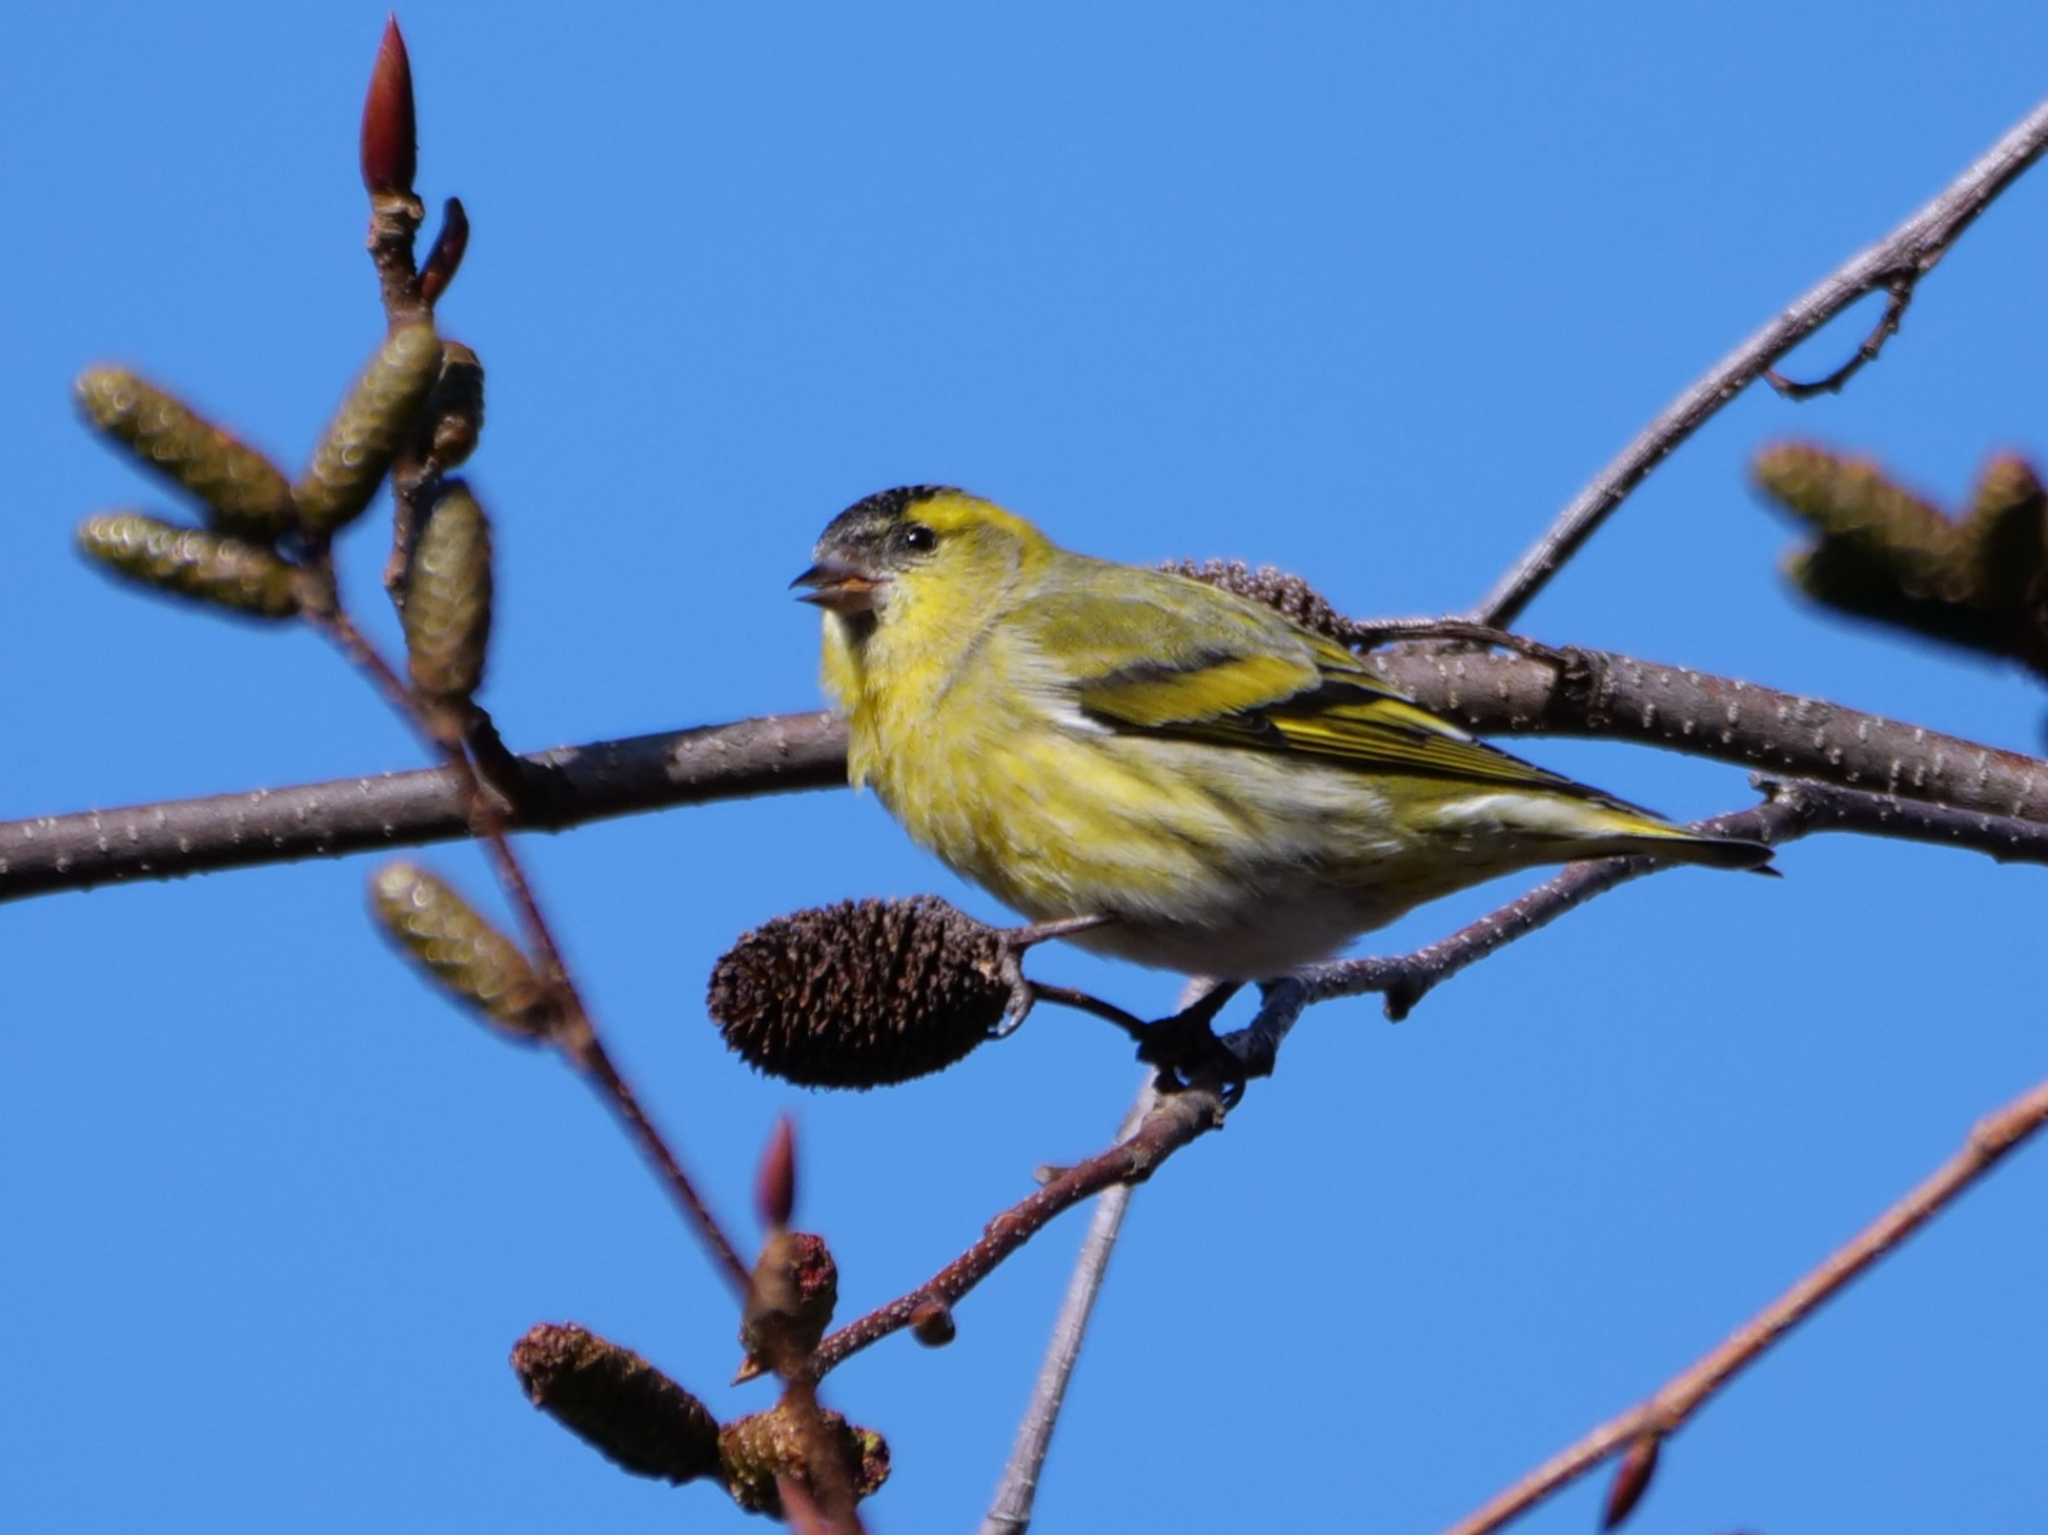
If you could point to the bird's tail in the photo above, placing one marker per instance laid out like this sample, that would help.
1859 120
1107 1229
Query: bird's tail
1638 832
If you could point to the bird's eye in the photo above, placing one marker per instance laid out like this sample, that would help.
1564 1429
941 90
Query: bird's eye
919 538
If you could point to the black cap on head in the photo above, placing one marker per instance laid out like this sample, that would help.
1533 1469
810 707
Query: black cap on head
874 515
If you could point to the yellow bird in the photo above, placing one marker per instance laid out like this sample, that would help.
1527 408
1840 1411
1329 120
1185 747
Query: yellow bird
1238 795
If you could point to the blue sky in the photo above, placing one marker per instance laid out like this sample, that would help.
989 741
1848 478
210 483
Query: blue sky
1363 294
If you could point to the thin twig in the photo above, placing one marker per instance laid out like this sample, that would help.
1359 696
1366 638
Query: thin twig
1010 1509
1901 290
1988 1144
835 1509
576 1035
1599 694
1905 255
1087 1002
1175 1120
414 479
1794 810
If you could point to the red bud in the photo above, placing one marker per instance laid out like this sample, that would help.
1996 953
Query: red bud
390 145
775 1183
1631 1480
445 259
932 1324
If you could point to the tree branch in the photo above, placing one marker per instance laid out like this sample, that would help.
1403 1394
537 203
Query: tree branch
1173 1121
1988 1144
570 785
575 1033
1902 257
1901 290
1599 694
1794 810
1010 1509
1615 697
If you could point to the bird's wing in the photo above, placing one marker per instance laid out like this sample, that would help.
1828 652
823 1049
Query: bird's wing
1151 652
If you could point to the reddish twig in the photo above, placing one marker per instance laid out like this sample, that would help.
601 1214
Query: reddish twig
576 1035
1174 1121
1988 1144
1906 254
835 1510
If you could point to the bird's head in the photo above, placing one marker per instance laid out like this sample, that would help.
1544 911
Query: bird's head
925 549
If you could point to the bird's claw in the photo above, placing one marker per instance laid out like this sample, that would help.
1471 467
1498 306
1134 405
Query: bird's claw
1188 1053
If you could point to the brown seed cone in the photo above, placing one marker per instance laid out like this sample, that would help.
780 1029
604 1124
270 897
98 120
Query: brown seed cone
464 954
244 493
860 993
376 419
1286 594
448 597
210 567
617 1403
756 1450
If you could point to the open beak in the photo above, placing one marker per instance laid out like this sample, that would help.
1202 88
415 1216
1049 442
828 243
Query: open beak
839 585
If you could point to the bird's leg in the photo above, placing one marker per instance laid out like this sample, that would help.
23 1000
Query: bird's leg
1025 993
1186 1050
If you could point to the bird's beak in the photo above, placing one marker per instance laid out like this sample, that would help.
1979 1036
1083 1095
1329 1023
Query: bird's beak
839 585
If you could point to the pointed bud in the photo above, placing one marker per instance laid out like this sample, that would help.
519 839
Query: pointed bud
243 491
464 954
775 1182
455 406
390 149
208 566
1631 1480
932 1324
444 257
448 597
756 1450
373 423
794 1289
860 993
617 1403
1286 594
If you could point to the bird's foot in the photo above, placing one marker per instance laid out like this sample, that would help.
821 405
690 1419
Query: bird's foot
1188 1053
1026 993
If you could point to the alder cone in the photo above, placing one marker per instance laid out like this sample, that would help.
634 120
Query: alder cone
861 993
